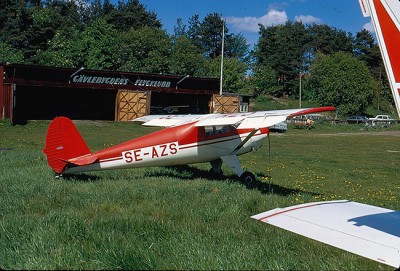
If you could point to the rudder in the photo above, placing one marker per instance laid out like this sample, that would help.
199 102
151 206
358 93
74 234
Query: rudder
63 142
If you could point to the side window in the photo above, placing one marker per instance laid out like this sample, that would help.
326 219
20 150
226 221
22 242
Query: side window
216 130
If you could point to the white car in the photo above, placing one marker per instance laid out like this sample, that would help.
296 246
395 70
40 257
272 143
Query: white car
383 119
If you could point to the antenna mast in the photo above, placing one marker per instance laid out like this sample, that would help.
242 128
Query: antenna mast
222 57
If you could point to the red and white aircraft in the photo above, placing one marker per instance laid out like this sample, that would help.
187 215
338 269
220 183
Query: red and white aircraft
188 139
366 230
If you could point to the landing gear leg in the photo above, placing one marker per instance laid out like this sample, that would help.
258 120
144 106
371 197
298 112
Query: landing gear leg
216 167
233 162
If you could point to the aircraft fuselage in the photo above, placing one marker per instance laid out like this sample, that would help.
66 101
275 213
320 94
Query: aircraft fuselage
179 145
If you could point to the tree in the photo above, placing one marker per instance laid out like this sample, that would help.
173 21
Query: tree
328 40
237 47
207 36
10 54
64 50
234 72
342 81
282 48
146 49
185 58
264 81
234 76
211 35
16 19
64 14
180 29
98 45
193 32
57 17
366 49
131 14
94 11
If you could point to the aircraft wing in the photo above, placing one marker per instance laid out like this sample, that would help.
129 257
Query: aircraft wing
385 17
365 230
248 120
167 120
263 119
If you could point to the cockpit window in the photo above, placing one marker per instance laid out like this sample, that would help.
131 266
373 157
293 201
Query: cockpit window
216 130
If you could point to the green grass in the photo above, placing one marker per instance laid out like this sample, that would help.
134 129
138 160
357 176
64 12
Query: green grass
182 218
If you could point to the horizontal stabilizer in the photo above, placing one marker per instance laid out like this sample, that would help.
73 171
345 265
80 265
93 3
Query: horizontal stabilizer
83 160
365 230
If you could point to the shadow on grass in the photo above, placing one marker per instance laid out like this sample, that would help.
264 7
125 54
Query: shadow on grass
79 177
270 188
184 172
187 172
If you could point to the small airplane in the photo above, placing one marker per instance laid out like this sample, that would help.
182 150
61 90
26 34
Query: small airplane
188 139
368 231
173 109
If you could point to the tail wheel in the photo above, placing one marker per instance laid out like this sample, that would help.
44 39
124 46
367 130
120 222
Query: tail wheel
247 177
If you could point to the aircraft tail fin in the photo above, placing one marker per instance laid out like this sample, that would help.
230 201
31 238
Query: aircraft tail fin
63 142
385 17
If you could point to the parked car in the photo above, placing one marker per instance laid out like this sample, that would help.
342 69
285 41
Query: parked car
306 120
357 120
383 119
280 127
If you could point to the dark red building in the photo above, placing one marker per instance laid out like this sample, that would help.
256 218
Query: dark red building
37 92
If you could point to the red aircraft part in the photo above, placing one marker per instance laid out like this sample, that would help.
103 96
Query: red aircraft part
63 142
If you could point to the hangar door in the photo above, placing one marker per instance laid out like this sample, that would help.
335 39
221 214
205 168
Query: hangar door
40 102
131 104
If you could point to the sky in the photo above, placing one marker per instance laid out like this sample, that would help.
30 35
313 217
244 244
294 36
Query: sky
243 16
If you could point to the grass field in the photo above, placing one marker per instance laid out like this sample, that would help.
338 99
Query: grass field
180 217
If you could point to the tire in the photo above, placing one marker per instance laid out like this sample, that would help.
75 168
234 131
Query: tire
247 177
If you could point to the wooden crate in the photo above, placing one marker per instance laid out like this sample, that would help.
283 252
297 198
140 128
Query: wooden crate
225 104
131 104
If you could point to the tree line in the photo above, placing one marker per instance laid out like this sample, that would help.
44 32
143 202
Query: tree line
336 68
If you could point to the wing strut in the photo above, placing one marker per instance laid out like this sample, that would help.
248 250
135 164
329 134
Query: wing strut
244 141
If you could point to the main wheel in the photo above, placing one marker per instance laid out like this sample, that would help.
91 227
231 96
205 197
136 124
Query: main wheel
247 177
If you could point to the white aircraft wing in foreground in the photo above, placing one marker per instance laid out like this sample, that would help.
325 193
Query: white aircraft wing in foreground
368 231
385 17
365 230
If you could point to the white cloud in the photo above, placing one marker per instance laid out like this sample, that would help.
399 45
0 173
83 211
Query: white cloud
250 24
278 6
308 19
369 27
273 17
